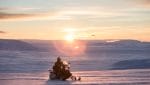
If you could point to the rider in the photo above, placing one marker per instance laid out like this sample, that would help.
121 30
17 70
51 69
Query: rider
61 69
57 68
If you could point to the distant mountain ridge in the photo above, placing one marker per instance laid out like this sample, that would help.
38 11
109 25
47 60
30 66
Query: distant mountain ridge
100 45
120 45
132 64
10 44
92 45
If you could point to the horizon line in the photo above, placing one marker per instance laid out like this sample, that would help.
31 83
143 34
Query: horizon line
75 39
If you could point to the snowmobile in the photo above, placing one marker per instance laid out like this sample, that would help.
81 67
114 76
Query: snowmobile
66 74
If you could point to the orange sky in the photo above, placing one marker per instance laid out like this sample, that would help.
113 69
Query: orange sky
78 19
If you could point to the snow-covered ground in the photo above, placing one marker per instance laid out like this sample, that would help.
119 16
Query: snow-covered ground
31 68
106 77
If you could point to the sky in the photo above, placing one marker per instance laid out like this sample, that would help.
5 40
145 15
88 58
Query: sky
78 19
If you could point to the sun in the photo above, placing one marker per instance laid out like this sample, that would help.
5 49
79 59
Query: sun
70 34
69 37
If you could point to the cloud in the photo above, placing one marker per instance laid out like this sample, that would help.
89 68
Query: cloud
17 13
71 13
24 9
142 3
28 17
146 1
2 32
25 13
4 15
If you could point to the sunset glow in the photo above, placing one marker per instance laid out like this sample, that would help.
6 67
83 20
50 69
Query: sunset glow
75 19
74 48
